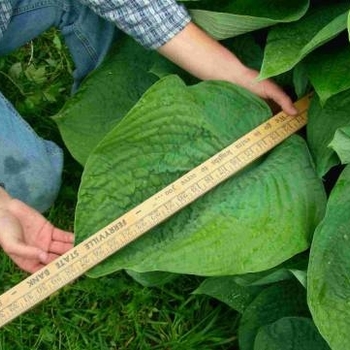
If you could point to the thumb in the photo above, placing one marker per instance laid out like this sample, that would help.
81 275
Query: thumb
21 250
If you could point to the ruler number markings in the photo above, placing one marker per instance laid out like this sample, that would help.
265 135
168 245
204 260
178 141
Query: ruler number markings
149 213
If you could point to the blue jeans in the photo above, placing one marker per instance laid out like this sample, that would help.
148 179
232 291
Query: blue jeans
31 167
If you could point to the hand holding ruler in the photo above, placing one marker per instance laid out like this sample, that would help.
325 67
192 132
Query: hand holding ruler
150 213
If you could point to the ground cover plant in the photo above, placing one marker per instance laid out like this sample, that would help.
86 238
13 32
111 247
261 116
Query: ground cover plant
272 243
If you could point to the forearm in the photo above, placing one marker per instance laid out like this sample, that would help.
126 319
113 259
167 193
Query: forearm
196 52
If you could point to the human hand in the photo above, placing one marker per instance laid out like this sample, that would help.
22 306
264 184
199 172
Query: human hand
266 89
29 238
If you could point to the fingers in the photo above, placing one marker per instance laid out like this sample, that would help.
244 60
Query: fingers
60 248
276 94
28 266
268 90
29 259
11 240
62 236
31 251
24 251
61 242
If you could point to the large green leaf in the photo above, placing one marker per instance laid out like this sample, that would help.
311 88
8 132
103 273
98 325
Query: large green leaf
104 98
242 16
287 44
286 270
280 300
334 66
239 291
247 50
152 279
250 223
292 333
227 290
322 125
341 144
329 268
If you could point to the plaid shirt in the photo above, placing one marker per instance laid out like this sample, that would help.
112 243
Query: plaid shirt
151 22
5 15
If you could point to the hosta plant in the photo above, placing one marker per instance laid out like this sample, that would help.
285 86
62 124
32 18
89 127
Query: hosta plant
272 242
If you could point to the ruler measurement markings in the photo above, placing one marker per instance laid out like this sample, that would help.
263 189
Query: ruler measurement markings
182 197
146 215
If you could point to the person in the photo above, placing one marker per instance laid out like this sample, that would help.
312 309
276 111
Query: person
30 167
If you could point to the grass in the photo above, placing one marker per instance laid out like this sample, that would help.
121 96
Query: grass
112 312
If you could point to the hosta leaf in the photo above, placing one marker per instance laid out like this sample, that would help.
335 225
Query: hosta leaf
323 123
239 291
329 268
252 222
280 300
334 66
300 275
279 273
162 67
292 333
104 98
247 50
341 144
300 80
243 16
287 44
152 279
349 24
227 290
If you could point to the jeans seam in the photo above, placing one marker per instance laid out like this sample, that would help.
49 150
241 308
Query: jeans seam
85 41
21 9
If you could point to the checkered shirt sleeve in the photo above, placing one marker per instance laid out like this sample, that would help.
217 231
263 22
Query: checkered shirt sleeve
150 22
5 15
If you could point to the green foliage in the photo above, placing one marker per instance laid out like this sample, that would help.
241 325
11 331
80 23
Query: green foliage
246 234
328 276
341 144
36 78
335 78
227 290
241 226
111 312
242 16
136 127
323 123
124 78
296 40
275 302
114 312
294 333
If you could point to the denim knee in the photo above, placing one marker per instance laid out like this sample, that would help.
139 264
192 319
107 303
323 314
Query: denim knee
30 167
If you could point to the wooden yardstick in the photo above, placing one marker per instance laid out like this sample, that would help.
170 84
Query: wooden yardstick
150 213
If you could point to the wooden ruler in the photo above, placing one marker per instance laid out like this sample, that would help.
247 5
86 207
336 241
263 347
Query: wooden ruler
150 213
